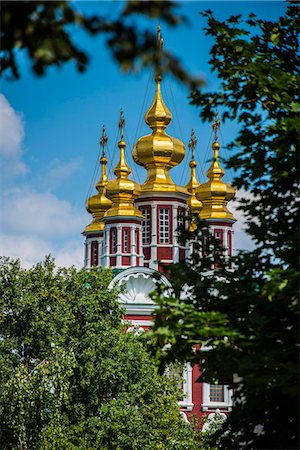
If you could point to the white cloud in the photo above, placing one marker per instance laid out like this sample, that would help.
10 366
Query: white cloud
35 224
11 137
31 250
11 129
40 214
28 249
57 173
70 254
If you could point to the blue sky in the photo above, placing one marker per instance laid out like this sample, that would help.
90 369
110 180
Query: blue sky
50 129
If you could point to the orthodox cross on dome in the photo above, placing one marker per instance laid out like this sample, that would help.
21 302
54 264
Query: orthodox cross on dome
160 40
159 44
103 141
121 124
192 143
216 126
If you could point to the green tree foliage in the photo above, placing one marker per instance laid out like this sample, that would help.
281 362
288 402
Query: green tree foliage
45 30
247 319
71 377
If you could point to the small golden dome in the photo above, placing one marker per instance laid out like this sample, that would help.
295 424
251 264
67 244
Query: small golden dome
98 204
193 203
158 152
215 193
121 190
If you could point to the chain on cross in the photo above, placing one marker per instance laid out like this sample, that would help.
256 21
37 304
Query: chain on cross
216 125
103 140
192 143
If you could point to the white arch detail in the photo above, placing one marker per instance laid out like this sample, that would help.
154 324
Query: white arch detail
138 283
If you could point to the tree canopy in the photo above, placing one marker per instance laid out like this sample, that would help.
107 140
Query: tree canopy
71 377
45 31
246 320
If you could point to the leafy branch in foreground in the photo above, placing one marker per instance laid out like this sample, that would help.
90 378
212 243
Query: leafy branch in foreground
71 377
45 30
241 327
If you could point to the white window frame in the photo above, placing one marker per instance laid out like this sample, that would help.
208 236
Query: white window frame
180 219
208 405
220 390
187 403
146 233
187 386
126 240
164 225
114 241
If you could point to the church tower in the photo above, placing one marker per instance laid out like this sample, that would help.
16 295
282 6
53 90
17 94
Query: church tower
162 203
135 229
97 205
122 221
215 195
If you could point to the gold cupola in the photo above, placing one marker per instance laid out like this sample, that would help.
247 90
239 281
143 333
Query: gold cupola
122 191
98 204
158 152
215 193
194 205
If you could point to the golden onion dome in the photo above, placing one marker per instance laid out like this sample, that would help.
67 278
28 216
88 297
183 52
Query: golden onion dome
215 193
194 205
158 152
121 190
98 204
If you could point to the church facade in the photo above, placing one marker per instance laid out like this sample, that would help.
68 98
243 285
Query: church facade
134 228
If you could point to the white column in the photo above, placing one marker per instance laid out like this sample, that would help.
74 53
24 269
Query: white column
141 253
152 263
99 240
88 259
133 253
225 242
105 256
86 253
175 234
119 246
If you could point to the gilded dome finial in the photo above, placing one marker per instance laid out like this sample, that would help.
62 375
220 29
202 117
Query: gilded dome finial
158 115
122 170
215 193
122 191
194 204
158 152
103 161
98 204
215 172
